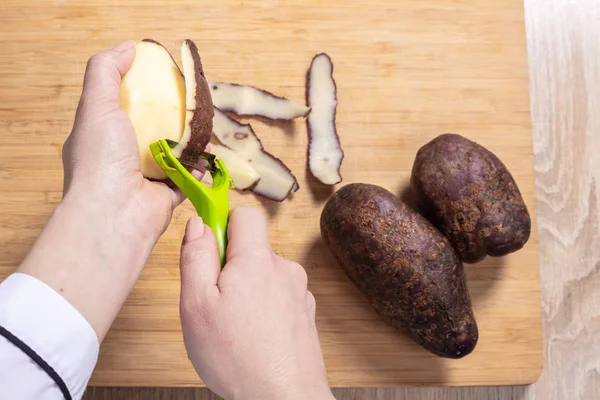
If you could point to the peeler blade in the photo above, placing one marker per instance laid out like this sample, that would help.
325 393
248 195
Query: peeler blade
205 163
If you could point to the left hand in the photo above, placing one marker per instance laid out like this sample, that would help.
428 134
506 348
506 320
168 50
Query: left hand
101 156
96 243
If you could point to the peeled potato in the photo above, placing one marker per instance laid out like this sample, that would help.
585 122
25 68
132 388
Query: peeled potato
162 104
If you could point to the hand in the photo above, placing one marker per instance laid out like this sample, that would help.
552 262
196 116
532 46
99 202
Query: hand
93 248
249 329
101 156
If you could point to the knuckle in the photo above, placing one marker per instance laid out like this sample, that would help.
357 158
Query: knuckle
187 306
262 257
188 257
298 274
193 310
98 59
191 254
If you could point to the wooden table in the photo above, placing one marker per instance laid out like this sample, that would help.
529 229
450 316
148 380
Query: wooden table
564 53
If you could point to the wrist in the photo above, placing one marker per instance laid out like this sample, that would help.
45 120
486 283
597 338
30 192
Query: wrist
90 257
121 215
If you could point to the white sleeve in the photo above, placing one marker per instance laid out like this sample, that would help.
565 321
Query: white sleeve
48 350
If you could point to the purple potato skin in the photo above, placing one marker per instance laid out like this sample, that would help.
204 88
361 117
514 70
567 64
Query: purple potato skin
471 197
201 123
404 266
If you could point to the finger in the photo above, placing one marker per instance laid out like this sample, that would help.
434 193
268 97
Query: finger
247 233
177 195
200 265
102 80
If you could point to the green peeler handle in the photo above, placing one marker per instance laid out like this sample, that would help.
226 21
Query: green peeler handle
211 204
208 208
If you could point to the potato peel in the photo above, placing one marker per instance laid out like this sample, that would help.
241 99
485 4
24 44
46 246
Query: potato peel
243 175
251 101
198 103
325 152
276 179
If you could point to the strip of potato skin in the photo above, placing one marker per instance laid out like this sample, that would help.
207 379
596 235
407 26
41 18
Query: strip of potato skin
327 177
239 169
200 124
244 131
237 103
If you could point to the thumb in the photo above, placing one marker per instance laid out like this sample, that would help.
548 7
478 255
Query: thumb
199 262
102 80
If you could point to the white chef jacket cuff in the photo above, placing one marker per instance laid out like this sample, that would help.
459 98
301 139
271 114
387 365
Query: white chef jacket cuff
50 327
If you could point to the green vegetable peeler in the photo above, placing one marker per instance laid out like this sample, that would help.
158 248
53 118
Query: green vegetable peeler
211 203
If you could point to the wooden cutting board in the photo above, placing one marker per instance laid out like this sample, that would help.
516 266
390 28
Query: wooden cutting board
406 71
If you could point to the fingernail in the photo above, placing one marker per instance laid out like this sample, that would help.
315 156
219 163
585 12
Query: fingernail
124 46
194 229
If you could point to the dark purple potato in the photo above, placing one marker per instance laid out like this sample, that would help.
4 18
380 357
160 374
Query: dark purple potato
470 196
403 265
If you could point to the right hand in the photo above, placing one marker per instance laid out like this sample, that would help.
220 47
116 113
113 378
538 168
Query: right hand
249 329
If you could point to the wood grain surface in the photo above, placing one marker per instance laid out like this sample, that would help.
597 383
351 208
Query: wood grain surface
563 43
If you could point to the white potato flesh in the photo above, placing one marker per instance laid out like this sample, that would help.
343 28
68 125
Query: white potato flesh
152 94
249 100
243 174
187 63
325 153
276 180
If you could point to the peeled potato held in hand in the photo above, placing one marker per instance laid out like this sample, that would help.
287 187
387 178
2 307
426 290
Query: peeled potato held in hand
164 103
